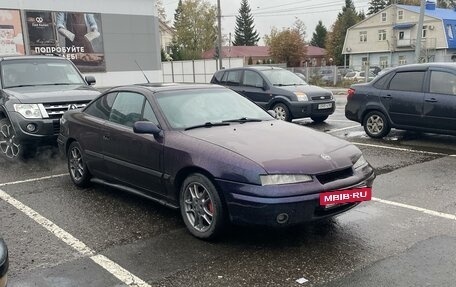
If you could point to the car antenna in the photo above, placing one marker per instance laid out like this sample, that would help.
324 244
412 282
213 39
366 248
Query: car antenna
144 74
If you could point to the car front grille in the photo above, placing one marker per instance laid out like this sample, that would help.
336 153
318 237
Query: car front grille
56 110
336 175
56 126
321 98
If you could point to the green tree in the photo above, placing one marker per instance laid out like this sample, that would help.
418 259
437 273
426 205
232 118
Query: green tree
335 39
244 32
286 46
195 29
376 5
319 36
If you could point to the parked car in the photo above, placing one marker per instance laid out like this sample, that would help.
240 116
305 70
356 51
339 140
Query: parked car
359 77
4 264
344 71
214 154
35 91
328 75
418 97
280 90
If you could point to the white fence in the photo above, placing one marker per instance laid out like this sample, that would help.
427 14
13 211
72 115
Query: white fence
195 71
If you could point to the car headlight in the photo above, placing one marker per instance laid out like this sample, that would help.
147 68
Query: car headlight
360 162
332 96
276 179
302 97
28 111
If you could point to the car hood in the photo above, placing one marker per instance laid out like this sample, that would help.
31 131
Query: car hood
281 147
52 94
308 89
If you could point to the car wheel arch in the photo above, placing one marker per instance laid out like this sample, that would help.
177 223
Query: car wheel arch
375 108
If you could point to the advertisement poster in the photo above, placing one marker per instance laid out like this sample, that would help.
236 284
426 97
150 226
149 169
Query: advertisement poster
11 40
75 36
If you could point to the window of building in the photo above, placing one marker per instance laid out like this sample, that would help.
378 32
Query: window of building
383 62
401 35
384 17
424 31
400 14
381 35
402 60
443 83
364 61
363 36
407 81
449 31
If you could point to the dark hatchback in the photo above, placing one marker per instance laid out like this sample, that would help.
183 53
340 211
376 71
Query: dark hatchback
419 97
280 90
213 154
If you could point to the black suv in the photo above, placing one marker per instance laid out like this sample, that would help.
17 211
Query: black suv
280 90
35 91
411 97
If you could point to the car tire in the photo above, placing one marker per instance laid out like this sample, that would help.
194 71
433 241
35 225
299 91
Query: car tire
319 119
376 124
10 148
282 112
201 207
79 173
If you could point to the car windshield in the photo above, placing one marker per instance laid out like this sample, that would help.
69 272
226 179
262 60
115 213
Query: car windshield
279 77
189 108
39 72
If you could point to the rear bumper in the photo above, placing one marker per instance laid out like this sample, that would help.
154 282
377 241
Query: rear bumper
311 109
254 210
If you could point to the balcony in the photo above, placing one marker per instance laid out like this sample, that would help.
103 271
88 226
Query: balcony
426 43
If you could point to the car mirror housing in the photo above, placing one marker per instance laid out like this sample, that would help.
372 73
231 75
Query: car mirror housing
272 113
90 80
143 127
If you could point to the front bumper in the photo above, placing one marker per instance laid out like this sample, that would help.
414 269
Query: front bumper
46 131
254 210
310 109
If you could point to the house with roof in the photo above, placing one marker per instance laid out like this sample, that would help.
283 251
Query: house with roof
389 37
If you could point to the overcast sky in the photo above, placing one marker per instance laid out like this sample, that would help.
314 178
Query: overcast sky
278 13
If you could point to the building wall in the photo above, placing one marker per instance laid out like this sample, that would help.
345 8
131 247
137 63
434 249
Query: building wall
130 33
374 23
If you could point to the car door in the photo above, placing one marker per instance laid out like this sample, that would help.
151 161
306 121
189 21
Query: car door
89 132
404 98
253 87
440 100
134 159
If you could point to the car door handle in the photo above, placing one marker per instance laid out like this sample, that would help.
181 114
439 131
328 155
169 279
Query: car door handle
106 138
388 97
431 100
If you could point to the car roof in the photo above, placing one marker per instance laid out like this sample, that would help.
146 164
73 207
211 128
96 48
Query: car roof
425 66
7 58
164 87
257 68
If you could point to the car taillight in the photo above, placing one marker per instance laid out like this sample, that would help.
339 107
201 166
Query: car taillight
351 93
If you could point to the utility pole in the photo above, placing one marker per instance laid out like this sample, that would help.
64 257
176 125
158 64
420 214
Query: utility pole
420 32
219 38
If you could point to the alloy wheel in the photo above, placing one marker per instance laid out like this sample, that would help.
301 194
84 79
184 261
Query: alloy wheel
76 164
281 114
375 124
199 207
8 144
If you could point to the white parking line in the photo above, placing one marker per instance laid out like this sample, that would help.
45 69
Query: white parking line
403 149
416 208
33 179
120 273
341 121
343 129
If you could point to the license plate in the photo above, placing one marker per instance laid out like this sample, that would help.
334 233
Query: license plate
346 196
325 106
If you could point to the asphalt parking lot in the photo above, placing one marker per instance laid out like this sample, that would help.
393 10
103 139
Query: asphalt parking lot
59 235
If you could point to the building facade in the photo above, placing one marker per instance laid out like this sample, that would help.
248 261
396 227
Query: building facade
388 38
106 38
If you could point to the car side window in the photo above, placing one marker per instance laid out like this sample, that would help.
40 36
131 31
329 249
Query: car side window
442 83
233 78
252 79
407 81
127 108
148 114
101 108
218 77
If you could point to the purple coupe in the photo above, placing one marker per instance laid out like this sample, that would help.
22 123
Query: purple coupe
213 154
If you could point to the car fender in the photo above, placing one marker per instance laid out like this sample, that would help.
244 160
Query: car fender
279 99
374 106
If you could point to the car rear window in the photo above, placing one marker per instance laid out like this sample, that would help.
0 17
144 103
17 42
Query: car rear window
407 81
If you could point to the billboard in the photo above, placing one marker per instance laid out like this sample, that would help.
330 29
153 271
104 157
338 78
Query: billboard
73 35
11 40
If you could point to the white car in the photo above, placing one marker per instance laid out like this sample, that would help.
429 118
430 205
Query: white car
358 76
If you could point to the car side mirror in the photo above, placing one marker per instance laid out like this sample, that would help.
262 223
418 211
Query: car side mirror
272 113
90 80
143 127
